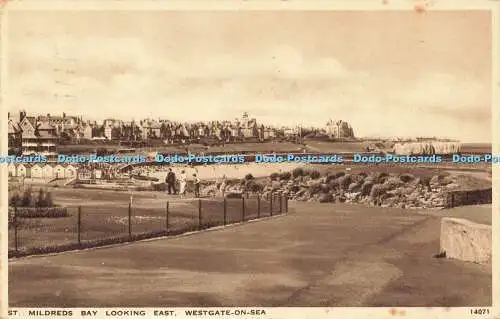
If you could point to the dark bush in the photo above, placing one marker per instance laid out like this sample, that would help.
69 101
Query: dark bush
252 186
344 181
15 200
286 176
315 188
377 190
406 177
425 181
248 177
314 174
298 172
234 195
27 198
274 176
330 177
366 188
325 198
339 174
42 212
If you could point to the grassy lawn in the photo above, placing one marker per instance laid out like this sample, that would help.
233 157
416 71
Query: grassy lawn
104 215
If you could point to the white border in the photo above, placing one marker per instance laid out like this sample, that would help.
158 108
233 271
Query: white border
353 5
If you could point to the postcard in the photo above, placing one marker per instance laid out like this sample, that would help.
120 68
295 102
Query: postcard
252 159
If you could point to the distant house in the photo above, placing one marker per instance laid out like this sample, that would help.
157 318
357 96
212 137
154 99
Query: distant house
86 131
24 170
12 170
48 171
36 171
59 171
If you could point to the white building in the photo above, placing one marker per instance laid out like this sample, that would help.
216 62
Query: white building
12 170
24 170
36 171
59 171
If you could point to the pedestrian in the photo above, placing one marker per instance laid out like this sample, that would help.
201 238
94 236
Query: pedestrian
182 182
223 184
196 185
170 180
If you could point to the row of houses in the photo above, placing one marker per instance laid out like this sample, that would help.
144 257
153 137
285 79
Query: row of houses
40 134
42 171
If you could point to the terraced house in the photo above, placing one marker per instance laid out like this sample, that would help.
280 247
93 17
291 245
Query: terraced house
37 137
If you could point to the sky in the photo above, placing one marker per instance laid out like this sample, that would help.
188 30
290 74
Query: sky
391 73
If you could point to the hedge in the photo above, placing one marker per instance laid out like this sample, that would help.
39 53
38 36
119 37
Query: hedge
41 212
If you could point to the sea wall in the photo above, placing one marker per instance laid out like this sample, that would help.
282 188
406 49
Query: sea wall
465 240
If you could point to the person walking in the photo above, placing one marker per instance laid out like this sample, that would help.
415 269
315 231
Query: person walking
182 182
196 185
223 185
170 181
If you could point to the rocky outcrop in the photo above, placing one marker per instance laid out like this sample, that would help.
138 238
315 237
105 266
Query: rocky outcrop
464 240
426 148
380 189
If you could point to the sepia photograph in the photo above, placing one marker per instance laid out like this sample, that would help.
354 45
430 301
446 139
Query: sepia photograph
249 158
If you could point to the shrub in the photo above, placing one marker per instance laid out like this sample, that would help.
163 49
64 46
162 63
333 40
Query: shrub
405 178
286 175
42 212
377 190
330 177
298 172
325 198
315 188
314 174
363 175
234 195
344 181
252 186
339 174
248 177
366 188
353 186
425 181
27 198
15 200
274 176
392 182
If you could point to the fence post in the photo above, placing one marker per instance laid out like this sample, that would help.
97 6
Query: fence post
130 220
271 204
243 209
225 211
199 214
15 229
281 203
258 206
286 204
167 213
79 225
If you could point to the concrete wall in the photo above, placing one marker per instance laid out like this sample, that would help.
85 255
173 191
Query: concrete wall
464 240
468 197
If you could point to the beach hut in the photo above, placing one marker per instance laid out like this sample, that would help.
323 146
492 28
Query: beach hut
36 171
12 170
59 171
24 170
70 171
48 171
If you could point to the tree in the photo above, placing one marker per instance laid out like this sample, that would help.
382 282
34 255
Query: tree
27 198
48 199
40 202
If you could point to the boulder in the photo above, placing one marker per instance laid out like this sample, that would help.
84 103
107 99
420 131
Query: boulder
465 240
